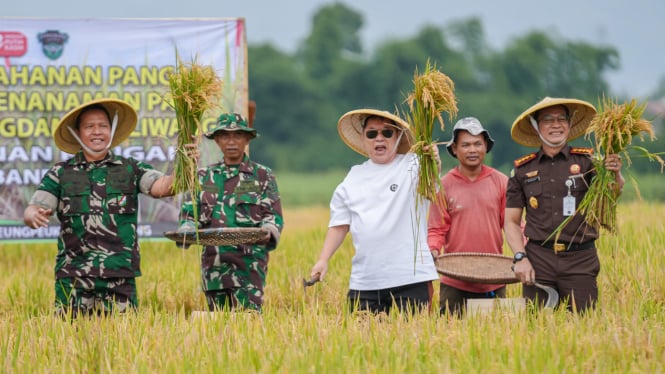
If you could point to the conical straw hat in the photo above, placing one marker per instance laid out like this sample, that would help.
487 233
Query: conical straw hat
126 123
350 128
581 113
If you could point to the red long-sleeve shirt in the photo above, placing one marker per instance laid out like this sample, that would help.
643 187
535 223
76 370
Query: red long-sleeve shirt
472 220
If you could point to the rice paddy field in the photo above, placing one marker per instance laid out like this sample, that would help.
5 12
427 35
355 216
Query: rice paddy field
310 331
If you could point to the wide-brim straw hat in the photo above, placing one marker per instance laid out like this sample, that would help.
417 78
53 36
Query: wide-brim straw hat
127 119
581 113
350 128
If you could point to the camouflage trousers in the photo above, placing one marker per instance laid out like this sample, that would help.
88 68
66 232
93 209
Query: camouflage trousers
94 296
235 278
234 298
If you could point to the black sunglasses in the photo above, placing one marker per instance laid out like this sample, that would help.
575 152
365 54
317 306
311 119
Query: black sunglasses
387 133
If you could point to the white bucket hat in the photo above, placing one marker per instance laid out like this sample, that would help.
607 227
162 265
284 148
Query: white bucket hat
474 127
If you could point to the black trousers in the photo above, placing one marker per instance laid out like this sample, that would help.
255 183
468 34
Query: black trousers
453 300
409 298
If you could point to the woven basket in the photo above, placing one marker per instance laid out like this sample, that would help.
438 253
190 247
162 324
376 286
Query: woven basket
218 236
477 267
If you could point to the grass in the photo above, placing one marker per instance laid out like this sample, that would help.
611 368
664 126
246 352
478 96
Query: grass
306 331
306 189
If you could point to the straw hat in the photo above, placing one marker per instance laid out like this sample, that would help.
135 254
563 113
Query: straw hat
126 123
581 113
350 128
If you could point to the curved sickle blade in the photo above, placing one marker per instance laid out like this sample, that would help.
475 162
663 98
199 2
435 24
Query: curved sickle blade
552 295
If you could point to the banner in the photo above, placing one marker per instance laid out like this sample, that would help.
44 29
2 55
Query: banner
50 66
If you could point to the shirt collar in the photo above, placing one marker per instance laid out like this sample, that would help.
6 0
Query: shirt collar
564 152
79 159
244 166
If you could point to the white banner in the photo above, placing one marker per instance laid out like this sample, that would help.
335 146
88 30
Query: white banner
50 66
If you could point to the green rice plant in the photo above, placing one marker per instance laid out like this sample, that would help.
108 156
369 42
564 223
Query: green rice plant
433 93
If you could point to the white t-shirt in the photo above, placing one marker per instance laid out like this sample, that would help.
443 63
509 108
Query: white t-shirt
388 228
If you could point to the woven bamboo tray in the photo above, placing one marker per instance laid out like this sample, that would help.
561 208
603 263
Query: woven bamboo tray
218 236
477 267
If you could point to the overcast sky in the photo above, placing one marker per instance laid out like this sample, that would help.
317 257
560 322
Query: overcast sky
636 28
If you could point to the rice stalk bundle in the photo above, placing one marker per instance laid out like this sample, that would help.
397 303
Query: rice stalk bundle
613 129
434 93
194 90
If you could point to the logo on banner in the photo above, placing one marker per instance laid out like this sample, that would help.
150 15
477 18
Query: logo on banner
12 44
53 43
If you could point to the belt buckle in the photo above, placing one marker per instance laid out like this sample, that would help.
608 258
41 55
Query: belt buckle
559 247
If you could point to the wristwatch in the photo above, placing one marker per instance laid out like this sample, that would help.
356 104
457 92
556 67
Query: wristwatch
519 256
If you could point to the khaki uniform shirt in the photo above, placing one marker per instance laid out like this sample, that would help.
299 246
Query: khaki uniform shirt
538 183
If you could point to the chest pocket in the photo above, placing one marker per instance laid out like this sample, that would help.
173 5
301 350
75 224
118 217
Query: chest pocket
209 196
532 187
121 194
75 196
248 198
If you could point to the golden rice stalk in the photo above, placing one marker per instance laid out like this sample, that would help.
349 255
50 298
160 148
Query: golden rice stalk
616 124
194 89
613 129
434 93
611 132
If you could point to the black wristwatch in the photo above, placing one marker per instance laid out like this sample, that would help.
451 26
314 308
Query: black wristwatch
519 256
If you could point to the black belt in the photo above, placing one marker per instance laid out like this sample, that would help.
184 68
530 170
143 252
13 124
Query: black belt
565 247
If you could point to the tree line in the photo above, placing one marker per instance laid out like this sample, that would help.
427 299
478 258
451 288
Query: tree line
300 96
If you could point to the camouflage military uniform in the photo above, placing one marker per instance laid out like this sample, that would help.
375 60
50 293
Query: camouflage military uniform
98 253
87 296
243 195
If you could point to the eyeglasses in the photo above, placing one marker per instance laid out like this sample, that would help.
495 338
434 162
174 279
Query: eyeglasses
387 133
550 120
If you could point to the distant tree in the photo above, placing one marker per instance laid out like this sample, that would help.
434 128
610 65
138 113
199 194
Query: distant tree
394 64
539 65
296 119
334 33
301 97
468 37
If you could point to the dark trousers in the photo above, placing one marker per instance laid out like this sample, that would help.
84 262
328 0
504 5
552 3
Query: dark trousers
410 298
453 300
572 273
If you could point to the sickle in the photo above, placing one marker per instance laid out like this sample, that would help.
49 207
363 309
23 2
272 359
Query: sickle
552 295
306 283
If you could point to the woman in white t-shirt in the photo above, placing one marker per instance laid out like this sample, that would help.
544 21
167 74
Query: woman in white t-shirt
378 204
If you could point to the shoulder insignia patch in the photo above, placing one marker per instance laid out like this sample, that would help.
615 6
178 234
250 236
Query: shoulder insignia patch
581 150
523 160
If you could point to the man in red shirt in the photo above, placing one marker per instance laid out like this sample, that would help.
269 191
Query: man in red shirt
473 215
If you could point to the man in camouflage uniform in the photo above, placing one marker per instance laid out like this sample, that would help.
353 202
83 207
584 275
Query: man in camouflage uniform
235 193
95 197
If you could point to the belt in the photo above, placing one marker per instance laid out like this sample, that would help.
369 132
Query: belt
566 247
